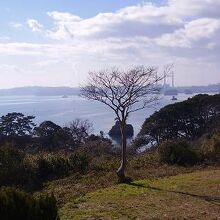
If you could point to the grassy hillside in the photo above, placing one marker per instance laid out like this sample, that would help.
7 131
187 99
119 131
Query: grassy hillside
185 196
102 175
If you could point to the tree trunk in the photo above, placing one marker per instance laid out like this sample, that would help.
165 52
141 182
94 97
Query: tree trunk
121 169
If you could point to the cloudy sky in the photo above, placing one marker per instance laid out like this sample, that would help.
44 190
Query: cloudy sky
56 42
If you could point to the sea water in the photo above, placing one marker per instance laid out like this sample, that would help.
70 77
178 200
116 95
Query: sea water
63 110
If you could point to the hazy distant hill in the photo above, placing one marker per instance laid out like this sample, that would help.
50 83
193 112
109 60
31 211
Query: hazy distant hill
200 89
65 91
39 91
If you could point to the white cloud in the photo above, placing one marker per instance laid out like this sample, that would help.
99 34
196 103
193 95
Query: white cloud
194 31
6 68
34 25
64 17
184 32
195 8
131 21
16 25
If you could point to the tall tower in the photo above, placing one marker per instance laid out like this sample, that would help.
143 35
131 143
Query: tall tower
164 79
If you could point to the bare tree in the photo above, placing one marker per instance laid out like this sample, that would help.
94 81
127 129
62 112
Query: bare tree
124 92
80 129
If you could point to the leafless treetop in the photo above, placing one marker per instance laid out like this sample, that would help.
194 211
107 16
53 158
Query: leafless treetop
122 90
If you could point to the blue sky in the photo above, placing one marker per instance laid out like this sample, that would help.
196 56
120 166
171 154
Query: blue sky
56 42
85 8
19 11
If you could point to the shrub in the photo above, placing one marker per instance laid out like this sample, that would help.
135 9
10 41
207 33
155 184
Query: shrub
96 148
60 166
16 204
79 163
53 167
44 169
11 165
177 152
209 147
104 163
14 171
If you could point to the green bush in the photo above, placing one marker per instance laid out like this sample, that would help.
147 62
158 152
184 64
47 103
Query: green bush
44 169
79 163
60 166
19 169
209 147
51 168
11 165
16 204
14 171
177 152
104 163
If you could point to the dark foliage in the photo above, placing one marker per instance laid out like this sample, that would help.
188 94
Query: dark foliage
99 138
96 147
52 168
208 147
16 128
188 119
16 204
50 135
31 170
53 137
177 152
14 171
79 163
16 124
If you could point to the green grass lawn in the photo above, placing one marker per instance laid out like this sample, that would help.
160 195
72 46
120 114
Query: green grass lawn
193 195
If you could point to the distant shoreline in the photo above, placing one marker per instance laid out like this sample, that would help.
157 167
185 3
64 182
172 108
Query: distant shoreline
68 91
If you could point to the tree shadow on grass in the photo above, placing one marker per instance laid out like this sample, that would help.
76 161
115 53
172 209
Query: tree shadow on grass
139 185
211 199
